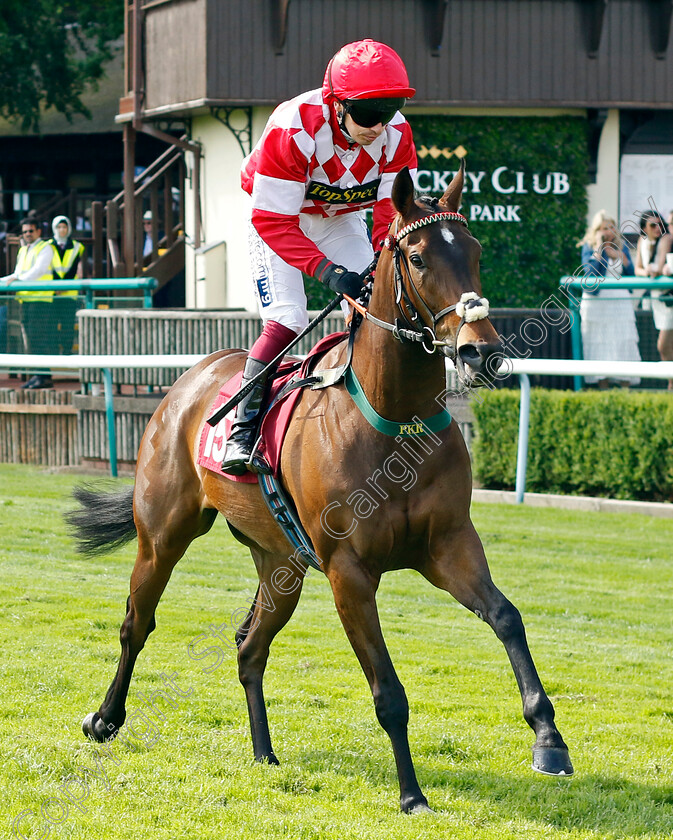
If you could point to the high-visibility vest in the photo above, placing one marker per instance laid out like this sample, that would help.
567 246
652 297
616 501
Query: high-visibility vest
65 267
26 260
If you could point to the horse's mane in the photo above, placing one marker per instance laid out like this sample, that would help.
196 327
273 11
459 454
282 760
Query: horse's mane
428 201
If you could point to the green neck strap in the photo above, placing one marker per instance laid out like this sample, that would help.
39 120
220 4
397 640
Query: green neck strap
413 428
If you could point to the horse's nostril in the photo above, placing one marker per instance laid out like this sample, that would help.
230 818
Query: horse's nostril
482 357
471 356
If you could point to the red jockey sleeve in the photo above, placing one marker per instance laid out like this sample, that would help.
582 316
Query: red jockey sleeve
284 236
383 215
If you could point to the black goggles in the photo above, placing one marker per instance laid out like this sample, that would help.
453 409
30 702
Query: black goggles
370 112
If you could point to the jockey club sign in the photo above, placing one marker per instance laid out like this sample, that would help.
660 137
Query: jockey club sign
525 194
501 180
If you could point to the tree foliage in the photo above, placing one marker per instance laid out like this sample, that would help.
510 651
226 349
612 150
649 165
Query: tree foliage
51 52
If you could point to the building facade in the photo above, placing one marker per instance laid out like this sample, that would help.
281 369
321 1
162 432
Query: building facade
593 78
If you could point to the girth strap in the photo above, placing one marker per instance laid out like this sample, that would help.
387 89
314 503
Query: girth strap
284 513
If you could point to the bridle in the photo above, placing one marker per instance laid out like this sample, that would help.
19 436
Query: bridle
417 321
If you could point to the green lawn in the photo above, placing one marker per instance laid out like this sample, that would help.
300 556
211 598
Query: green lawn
595 594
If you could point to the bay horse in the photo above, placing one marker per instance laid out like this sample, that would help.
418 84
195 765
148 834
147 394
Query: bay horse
329 452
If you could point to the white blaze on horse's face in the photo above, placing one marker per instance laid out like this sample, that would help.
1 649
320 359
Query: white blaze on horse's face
448 236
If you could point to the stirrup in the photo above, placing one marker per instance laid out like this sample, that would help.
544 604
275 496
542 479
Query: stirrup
257 463
251 462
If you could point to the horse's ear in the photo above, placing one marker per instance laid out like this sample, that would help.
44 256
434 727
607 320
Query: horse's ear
451 198
403 192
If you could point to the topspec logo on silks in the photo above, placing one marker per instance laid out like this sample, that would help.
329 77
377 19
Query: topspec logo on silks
343 195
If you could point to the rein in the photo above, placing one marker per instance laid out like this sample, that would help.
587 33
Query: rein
411 326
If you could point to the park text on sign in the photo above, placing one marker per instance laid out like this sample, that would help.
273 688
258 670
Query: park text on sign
502 180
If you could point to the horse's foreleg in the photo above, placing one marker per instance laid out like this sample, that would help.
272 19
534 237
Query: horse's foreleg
355 599
158 552
460 567
275 601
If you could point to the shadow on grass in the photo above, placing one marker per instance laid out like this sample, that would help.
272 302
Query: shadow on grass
350 763
608 805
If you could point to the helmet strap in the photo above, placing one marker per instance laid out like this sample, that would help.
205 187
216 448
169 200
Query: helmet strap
341 119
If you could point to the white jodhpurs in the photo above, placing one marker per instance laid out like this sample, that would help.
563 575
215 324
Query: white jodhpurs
279 287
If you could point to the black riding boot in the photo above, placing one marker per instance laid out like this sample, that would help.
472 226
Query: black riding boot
244 429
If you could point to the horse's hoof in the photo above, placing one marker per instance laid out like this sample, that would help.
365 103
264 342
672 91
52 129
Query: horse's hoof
267 759
416 806
421 808
94 728
552 761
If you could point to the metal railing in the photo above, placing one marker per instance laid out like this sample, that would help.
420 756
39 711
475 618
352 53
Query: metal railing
105 363
47 324
520 367
89 288
523 368
571 282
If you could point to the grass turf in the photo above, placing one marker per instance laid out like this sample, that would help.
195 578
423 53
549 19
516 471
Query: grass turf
594 591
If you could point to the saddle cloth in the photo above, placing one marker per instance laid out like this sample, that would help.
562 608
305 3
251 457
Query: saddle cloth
276 420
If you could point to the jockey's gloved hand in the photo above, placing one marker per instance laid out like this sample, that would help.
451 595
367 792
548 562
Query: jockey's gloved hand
339 279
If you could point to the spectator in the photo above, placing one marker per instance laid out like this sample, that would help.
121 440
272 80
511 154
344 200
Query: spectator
148 242
662 310
306 216
34 263
67 265
608 319
68 252
652 228
148 245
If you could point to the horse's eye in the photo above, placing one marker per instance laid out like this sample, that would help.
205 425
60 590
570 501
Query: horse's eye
416 261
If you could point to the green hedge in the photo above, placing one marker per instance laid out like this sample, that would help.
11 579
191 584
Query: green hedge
615 444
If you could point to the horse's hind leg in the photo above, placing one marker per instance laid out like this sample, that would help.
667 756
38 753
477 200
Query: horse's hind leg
460 567
277 596
166 527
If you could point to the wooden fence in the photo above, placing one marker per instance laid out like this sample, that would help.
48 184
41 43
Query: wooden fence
38 427
132 414
167 332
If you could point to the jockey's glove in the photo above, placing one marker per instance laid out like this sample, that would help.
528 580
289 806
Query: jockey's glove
339 279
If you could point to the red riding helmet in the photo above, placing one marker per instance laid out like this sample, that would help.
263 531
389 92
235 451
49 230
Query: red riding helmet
366 70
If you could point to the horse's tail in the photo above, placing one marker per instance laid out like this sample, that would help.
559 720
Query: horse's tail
103 521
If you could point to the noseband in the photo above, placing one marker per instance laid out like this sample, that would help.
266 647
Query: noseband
411 326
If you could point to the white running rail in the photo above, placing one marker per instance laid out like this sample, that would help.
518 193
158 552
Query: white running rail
523 368
24 361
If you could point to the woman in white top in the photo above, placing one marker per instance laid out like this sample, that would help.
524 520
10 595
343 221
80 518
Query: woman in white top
609 330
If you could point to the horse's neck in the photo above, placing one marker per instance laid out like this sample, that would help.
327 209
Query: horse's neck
399 379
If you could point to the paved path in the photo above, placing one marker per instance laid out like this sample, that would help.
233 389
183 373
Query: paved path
554 500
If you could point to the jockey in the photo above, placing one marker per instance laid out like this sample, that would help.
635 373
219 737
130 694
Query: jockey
324 157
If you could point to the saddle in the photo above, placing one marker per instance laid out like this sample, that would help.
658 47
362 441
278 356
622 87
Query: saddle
284 393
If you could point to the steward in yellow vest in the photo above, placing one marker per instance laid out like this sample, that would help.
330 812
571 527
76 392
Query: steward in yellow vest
33 263
67 263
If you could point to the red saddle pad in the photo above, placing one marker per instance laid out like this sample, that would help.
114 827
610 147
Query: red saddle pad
213 439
